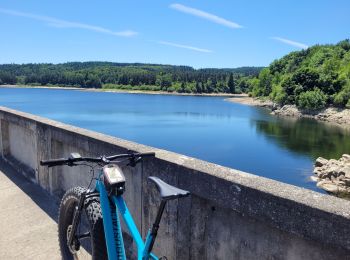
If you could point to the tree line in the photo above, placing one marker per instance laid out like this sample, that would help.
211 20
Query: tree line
139 76
312 79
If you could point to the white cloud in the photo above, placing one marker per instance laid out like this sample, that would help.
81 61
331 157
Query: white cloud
290 42
184 46
67 24
205 15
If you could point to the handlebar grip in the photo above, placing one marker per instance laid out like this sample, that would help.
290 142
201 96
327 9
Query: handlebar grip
53 162
148 154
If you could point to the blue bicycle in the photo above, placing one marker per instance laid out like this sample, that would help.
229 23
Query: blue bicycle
89 223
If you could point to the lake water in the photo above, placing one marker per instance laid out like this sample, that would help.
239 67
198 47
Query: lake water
209 128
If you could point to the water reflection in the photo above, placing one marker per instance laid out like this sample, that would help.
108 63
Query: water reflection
306 136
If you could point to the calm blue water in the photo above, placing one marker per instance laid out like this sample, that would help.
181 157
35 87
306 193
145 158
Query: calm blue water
238 136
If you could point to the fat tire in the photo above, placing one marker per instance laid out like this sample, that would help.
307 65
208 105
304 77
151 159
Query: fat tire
94 216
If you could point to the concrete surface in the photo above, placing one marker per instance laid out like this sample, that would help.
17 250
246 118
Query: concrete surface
28 228
229 215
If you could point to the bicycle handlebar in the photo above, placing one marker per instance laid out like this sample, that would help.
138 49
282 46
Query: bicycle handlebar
70 161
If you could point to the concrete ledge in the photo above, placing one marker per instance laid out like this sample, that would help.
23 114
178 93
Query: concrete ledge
316 219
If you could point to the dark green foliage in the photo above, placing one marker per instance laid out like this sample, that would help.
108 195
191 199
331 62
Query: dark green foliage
231 84
321 70
342 98
91 81
306 78
135 76
312 100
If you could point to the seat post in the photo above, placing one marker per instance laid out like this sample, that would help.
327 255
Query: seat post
155 226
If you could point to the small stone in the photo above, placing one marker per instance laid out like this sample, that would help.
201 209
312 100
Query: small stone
334 170
346 157
341 177
346 180
345 171
320 162
325 175
342 172
339 182
332 162
328 186
314 178
317 171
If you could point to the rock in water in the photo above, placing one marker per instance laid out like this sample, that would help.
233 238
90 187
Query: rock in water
314 178
320 161
333 175
328 186
346 158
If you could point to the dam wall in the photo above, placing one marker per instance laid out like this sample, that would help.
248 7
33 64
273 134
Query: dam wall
230 214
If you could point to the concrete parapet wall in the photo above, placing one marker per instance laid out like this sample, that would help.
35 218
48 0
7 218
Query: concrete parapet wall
230 214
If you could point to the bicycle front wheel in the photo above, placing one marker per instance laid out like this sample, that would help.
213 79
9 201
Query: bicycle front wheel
90 229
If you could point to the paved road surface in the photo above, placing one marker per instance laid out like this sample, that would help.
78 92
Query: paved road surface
28 227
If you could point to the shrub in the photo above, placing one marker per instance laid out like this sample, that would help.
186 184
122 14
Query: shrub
278 95
348 104
342 98
312 100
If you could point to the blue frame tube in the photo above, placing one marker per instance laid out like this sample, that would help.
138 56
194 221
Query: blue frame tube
107 221
124 211
141 246
108 226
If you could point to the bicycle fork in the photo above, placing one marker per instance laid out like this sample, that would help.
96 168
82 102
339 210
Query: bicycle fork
76 219
73 239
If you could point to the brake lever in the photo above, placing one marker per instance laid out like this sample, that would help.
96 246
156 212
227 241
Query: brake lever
105 160
134 161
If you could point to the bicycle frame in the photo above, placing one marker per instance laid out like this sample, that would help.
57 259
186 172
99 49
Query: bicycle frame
108 225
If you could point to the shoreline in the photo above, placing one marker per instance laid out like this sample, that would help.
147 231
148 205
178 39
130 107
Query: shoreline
337 116
333 115
250 101
150 92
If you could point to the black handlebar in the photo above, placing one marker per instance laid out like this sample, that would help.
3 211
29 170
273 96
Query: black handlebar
130 155
134 158
52 162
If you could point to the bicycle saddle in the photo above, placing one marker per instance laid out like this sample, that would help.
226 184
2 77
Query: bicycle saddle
168 192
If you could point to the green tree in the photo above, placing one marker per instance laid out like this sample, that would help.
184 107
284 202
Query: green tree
307 78
265 82
182 87
231 84
92 81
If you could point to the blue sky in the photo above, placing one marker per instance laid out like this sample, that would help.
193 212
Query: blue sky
205 33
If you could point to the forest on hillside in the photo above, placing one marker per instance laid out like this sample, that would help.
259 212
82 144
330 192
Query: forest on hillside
136 76
312 79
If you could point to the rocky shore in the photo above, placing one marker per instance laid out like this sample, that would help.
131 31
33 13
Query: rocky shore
331 114
333 175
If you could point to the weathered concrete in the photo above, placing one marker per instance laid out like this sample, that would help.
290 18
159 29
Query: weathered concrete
230 215
28 225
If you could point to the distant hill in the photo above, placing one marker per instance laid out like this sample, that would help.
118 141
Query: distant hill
312 79
129 76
